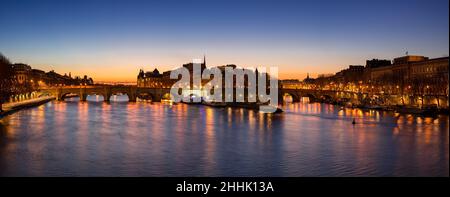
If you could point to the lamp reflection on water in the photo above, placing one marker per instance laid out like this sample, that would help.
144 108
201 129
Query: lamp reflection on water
96 138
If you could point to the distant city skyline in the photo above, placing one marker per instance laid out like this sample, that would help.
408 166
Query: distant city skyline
112 40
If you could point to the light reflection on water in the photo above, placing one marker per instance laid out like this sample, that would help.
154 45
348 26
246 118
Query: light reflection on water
93 138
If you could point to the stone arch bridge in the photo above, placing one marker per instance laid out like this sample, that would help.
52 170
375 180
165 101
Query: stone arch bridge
157 94
321 95
133 92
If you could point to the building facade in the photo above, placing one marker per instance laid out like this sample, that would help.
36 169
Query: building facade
156 79
412 69
411 80
22 73
29 80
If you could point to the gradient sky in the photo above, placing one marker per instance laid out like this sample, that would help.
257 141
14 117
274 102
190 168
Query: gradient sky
111 40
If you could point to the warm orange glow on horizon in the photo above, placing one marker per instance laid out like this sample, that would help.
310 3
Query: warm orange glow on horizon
124 64
129 73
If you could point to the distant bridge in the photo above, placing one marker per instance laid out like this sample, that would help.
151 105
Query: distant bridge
440 100
332 95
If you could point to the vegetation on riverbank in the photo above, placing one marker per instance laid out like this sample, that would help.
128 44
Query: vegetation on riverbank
6 80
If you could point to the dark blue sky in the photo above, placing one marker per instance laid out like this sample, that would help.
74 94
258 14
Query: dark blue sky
120 37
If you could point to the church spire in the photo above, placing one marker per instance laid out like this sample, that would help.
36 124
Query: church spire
204 59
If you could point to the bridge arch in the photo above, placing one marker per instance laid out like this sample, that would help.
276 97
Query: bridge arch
118 97
118 94
96 97
153 94
46 92
146 96
326 98
291 97
311 97
67 95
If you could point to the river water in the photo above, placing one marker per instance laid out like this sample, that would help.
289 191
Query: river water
93 138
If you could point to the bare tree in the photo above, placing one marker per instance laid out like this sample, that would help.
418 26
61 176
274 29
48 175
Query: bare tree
6 80
420 89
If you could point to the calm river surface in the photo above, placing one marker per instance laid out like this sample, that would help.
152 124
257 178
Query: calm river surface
141 139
